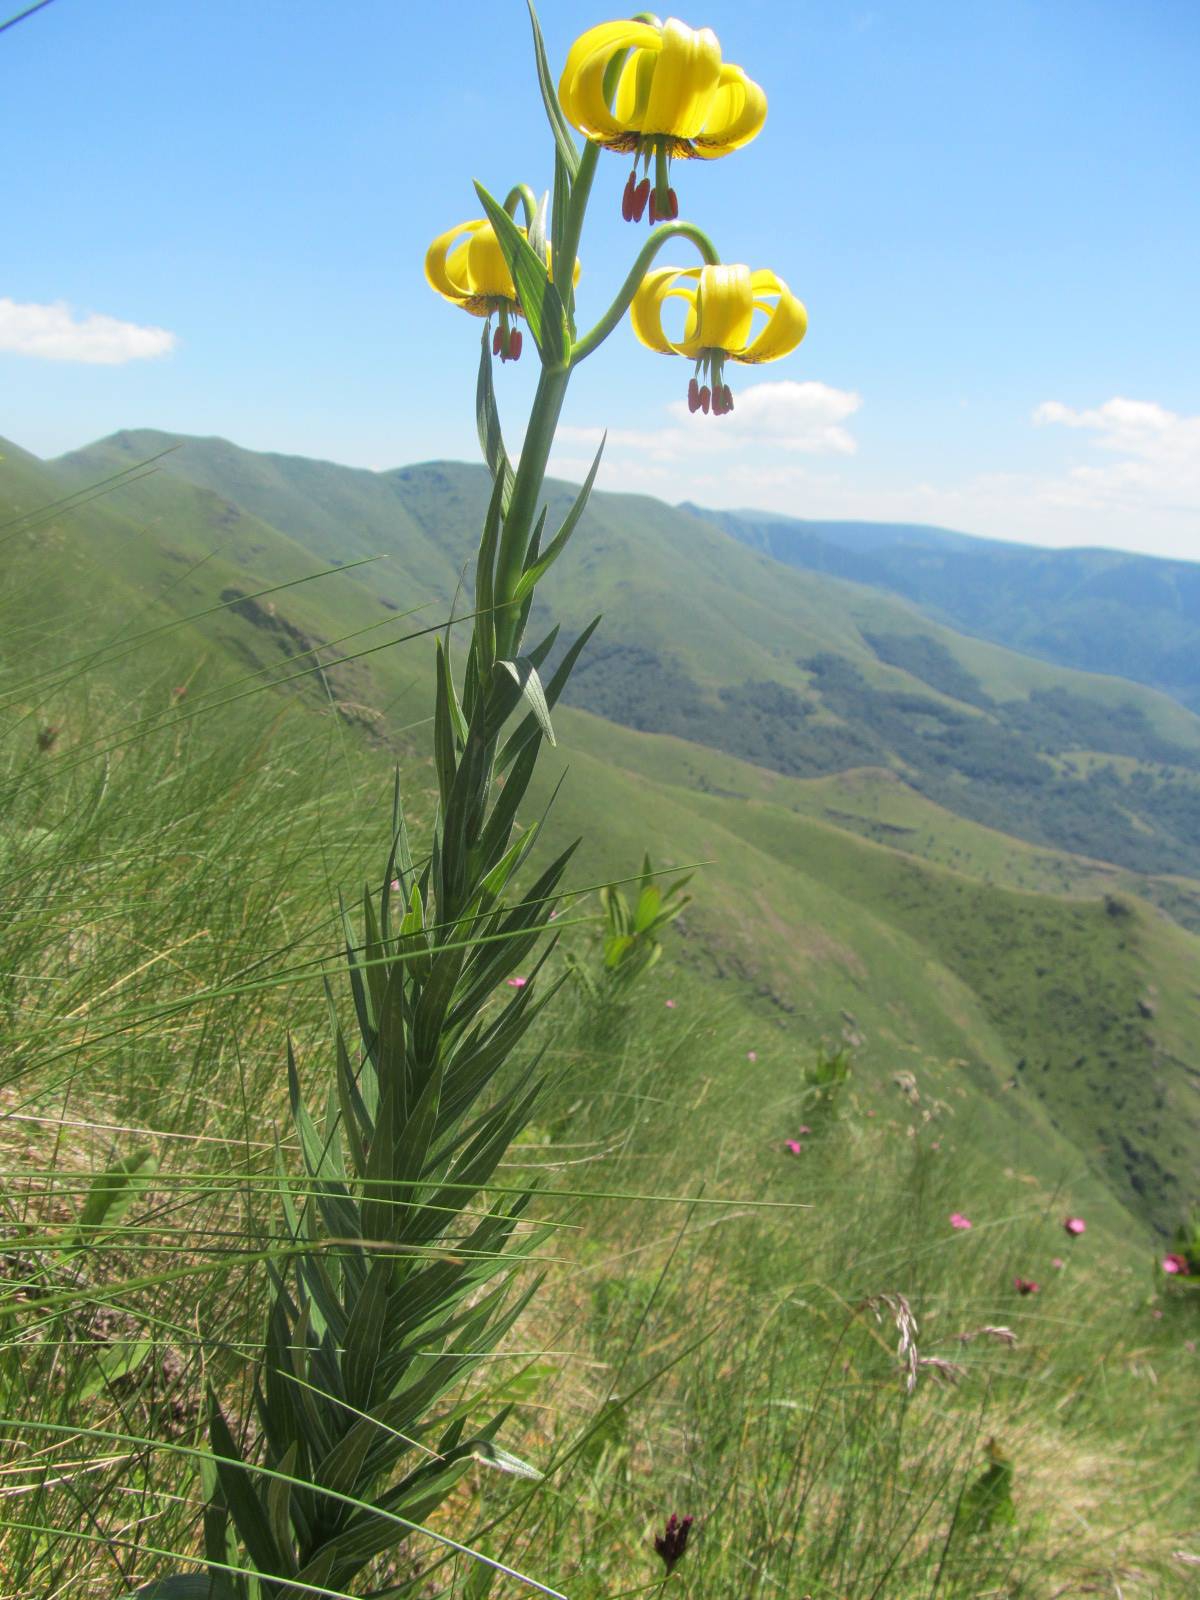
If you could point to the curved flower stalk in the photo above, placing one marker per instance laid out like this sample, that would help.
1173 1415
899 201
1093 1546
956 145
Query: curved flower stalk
659 90
721 305
467 266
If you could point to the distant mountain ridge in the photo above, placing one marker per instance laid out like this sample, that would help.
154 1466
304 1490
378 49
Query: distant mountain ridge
719 643
1109 611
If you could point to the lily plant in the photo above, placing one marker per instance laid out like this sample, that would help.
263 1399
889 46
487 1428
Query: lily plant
397 1282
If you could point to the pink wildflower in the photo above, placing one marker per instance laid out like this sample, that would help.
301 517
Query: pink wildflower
1075 1226
957 1220
794 1146
1058 1262
516 983
1025 1286
751 1055
1176 1265
804 1128
670 1005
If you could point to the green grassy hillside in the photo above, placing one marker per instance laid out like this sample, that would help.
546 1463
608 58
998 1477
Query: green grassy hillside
184 796
719 644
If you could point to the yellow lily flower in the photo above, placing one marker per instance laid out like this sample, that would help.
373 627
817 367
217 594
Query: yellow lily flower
674 96
466 266
721 305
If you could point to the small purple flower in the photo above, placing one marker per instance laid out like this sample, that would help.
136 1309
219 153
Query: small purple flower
1025 1286
672 1542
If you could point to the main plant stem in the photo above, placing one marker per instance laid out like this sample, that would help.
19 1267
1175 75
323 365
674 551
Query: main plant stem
527 486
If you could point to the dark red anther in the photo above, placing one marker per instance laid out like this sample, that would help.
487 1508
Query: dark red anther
693 396
653 208
705 399
514 344
728 398
640 196
672 205
497 341
628 197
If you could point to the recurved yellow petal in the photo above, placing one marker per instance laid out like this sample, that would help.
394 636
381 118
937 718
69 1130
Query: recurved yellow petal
646 311
787 320
724 309
685 78
486 269
437 272
581 87
736 115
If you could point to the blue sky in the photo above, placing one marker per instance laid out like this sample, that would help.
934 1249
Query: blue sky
990 210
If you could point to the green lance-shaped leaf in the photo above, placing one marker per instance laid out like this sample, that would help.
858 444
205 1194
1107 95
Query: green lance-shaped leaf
245 1507
111 1362
525 675
562 268
534 571
540 300
487 419
563 138
525 731
444 753
189 1586
109 1197
484 642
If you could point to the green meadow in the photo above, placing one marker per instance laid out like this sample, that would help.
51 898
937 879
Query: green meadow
749 1305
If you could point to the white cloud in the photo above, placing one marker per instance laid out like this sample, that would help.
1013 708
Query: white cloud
806 417
1129 477
796 418
1158 457
55 333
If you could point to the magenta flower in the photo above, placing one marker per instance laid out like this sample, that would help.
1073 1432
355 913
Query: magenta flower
751 1055
794 1146
672 1542
1025 1286
1075 1226
957 1220
516 983
670 1004
1176 1265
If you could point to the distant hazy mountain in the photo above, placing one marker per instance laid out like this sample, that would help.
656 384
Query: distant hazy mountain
1098 610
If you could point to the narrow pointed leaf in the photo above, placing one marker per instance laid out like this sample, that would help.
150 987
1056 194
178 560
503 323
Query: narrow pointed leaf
539 564
487 419
525 675
540 300
559 126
